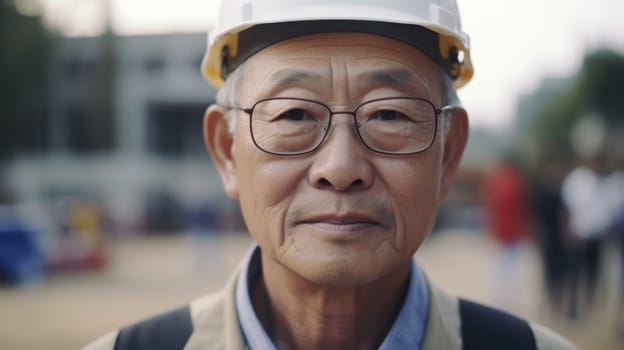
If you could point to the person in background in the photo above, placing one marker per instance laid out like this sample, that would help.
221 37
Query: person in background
506 209
551 216
589 219
338 129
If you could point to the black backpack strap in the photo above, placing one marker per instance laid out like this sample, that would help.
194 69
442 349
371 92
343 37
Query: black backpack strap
169 331
485 328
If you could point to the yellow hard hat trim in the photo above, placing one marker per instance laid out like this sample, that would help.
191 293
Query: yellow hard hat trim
461 71
452 51
213 62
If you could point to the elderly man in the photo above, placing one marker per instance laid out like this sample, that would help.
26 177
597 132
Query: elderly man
338 129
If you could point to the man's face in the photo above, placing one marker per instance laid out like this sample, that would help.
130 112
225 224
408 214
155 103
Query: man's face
342 215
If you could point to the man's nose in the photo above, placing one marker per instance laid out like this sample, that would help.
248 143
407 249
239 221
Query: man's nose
342 162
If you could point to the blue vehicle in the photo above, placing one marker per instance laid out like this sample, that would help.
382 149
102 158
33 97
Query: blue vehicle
21 257
37 241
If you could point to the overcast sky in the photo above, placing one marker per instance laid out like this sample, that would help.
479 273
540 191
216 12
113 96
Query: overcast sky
514 43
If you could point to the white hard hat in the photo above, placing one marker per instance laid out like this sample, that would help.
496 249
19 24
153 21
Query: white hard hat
246 26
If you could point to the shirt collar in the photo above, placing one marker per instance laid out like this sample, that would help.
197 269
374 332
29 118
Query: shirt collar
407 331
253 332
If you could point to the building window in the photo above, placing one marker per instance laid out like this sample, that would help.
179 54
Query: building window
88 131
77 138
175 130
154 64
77 67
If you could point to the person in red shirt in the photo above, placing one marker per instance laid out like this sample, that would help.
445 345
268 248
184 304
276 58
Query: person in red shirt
506 209
505 195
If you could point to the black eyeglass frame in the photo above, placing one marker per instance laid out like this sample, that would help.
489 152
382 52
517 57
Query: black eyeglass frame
436 111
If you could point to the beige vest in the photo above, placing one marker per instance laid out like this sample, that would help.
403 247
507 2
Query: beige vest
215 325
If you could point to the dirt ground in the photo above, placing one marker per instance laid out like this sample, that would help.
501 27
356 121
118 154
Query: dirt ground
149 275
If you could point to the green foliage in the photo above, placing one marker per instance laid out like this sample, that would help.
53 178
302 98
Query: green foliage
24 45
597 88
601 82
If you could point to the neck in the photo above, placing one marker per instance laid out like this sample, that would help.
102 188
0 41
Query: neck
298 314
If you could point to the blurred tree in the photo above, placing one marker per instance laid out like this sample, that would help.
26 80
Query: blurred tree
600 85
24 47
595 90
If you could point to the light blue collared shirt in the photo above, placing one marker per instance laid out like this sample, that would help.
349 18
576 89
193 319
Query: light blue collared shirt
407 331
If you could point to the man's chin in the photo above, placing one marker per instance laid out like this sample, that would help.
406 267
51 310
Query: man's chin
338 271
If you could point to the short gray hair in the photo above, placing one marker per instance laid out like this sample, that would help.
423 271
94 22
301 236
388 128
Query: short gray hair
449 98
229 96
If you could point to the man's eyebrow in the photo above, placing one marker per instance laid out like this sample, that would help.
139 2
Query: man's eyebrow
399 78
287 77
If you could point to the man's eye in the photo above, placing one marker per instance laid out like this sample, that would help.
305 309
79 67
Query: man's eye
295 115
388 115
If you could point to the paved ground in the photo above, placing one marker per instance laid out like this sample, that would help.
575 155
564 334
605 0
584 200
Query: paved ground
149 275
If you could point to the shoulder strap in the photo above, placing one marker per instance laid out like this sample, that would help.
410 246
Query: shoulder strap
485 328
169 331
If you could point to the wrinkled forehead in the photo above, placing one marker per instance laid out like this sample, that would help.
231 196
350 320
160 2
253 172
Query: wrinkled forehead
356 61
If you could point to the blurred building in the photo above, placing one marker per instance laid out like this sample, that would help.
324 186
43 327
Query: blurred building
122 127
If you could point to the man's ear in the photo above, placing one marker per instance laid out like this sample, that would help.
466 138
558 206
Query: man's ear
454 144
220 143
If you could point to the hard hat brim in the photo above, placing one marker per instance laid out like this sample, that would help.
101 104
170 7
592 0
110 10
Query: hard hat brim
443 50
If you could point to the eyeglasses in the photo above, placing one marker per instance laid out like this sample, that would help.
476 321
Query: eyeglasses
289 126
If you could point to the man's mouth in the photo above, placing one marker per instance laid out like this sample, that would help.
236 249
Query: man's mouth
349 223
